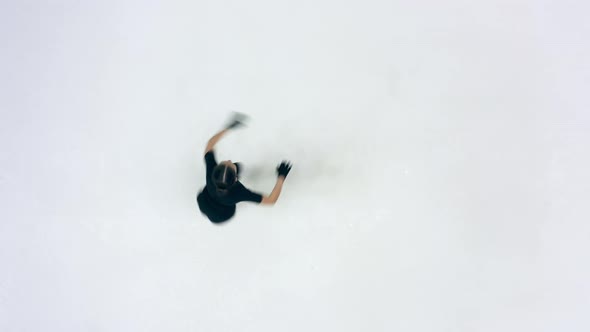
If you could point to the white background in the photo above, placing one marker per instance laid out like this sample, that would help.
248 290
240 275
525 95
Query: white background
440 178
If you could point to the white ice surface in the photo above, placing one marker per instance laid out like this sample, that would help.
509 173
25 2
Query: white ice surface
440 180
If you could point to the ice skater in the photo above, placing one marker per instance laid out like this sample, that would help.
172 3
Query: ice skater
223 189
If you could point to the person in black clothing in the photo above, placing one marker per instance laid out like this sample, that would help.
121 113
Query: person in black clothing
223 190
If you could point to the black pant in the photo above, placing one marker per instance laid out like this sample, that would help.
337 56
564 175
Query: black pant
216 212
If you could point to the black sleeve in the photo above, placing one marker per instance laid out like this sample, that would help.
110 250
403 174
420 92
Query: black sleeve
245 195
210 162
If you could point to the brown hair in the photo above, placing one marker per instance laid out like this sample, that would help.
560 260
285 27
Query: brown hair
224 177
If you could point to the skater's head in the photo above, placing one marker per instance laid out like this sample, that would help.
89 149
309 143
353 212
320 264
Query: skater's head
224 176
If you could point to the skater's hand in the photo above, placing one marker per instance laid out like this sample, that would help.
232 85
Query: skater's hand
237 120
284 168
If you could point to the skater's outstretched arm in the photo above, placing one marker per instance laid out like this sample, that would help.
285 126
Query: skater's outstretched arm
276 192
213 140
282 172
236 121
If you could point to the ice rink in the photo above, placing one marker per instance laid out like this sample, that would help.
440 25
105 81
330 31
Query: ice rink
440 180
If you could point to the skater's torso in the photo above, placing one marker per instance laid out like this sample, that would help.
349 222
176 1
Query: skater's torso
224 204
